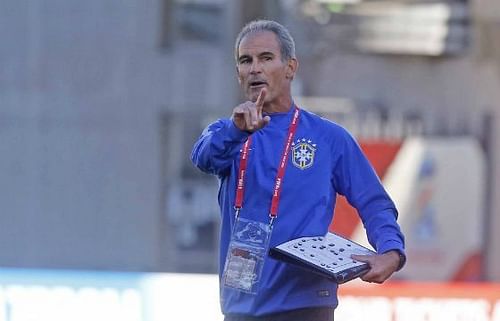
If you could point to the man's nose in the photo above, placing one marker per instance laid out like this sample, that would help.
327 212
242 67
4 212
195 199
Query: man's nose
256 67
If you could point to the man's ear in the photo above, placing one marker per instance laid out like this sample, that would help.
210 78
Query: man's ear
292 66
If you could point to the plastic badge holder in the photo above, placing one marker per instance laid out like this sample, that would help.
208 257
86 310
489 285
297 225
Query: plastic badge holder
247 251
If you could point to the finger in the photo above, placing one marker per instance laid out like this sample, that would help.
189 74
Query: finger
238 118
260 100
373 277
239 114
254 117
362 258
248 119
237 110
369 278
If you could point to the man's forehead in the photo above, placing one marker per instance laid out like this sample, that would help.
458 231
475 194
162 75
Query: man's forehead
259 41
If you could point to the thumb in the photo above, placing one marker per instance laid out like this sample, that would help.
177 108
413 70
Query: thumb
362 258
263 122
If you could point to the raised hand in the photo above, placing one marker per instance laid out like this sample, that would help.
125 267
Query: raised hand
248 115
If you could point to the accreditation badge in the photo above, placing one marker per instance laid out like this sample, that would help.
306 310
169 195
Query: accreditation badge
246 255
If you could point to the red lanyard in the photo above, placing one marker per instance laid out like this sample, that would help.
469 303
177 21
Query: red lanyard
240 186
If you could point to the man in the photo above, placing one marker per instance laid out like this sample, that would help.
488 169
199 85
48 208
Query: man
280 168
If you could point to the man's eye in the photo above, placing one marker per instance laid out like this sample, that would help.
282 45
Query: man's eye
268 58
244 61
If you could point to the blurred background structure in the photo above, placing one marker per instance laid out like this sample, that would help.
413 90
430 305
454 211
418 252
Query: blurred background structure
101 101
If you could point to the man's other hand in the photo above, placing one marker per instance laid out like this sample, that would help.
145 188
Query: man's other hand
382 266
248 116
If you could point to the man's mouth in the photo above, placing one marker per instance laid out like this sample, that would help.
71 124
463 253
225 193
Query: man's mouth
257 83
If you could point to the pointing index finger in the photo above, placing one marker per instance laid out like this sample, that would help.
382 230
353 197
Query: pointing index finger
260 100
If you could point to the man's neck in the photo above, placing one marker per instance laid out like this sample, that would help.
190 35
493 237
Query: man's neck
280 106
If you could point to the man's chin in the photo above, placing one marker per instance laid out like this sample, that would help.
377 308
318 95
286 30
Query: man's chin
252 96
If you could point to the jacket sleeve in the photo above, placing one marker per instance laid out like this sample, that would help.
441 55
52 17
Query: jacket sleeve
217 147
355 178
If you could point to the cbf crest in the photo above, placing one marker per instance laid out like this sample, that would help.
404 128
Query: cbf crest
303 151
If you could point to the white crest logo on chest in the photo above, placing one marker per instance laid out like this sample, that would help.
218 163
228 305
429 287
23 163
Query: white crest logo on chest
303 151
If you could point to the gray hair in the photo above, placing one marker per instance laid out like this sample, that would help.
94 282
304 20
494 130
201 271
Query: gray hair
285 40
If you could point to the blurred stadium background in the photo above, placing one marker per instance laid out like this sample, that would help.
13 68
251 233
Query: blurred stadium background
100 103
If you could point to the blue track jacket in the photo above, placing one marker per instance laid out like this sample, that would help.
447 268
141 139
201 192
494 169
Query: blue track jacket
326 160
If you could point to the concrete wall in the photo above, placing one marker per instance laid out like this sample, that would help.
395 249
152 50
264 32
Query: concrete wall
86 86
83 85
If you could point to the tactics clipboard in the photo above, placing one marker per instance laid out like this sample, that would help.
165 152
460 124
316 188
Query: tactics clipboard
328 255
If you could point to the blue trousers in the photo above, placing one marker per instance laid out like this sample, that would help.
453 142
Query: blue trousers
306 314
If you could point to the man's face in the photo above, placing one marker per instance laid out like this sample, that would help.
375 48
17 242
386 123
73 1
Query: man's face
260 65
